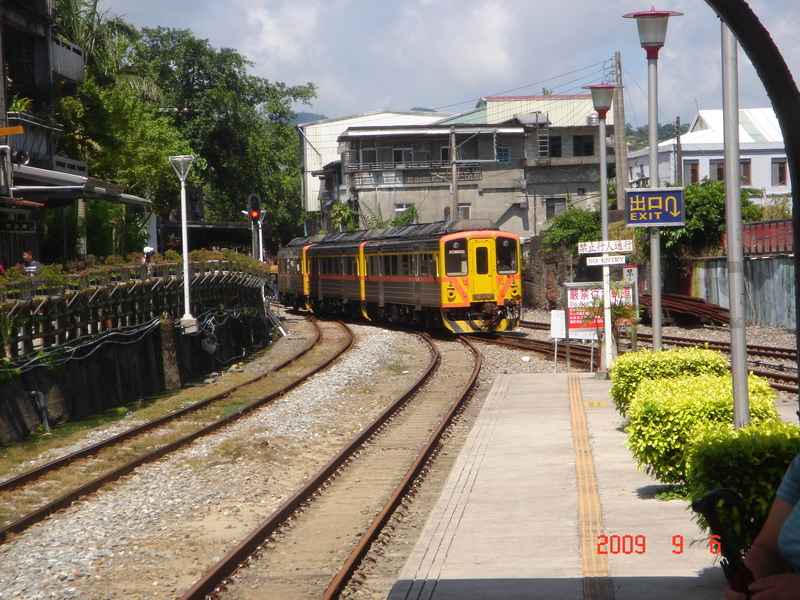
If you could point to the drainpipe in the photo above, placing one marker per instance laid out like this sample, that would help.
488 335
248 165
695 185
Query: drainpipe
42 408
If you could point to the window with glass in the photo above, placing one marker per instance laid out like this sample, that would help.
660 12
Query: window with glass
554 206
691 171
503 154
401 207
374 266
464 212
455 256
716 170
368 156
506 252
744 171
555 146
779 171
583 145
482 260
405 264
402 155
427 265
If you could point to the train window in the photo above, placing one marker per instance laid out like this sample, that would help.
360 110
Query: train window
482 260
374 264
455 256
426 265
405 264
506 255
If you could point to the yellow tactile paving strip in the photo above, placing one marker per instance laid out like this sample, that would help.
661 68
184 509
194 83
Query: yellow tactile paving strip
596 578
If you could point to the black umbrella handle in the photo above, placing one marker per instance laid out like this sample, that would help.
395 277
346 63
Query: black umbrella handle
739 577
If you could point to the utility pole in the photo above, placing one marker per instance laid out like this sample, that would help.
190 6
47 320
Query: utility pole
620 146
453 175
733 221
678 153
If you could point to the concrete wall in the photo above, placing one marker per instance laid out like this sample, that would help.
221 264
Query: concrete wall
118 374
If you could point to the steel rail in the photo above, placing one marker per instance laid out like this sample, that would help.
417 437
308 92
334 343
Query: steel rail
215 579
425 455
33 474
62 502
754 349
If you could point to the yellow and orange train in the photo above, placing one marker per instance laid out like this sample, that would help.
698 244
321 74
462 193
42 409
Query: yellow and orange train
463 275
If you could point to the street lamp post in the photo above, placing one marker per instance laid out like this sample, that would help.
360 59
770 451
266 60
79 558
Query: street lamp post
602 96
652 26
182 164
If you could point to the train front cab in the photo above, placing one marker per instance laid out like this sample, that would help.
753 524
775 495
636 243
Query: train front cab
481 283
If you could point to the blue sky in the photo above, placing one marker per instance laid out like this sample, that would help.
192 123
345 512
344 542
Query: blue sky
367 55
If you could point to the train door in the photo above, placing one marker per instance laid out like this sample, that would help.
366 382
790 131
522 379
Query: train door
481 260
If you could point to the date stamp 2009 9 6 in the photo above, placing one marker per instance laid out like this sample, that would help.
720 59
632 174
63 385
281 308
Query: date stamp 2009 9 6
637 544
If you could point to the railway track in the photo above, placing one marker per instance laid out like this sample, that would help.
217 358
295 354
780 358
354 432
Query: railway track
782 375
788 354
313 543
34 495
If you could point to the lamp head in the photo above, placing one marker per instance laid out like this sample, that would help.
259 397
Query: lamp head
652 26
602 96
182 164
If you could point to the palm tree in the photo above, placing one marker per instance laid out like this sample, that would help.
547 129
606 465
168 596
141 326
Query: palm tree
105 40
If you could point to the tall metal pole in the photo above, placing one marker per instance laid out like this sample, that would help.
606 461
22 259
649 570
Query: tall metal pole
733 222
607 345
182 164
620 148
187 320
453 175
652 26
655 234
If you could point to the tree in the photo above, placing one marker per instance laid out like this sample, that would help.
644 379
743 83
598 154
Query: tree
701 234
343 218
127 141
97 33
239 124
570 227
705 222
640 137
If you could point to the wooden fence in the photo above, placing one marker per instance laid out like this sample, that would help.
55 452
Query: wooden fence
36 315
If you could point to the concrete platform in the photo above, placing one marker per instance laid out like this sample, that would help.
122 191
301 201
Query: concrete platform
515 521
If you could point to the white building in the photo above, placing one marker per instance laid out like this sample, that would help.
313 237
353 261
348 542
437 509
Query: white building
700 154
521 160
319 145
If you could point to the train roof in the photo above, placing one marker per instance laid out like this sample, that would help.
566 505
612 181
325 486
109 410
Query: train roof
416 230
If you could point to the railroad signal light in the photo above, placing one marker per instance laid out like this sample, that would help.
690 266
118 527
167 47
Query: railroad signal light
254 207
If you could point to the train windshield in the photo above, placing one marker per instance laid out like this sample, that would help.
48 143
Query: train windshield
506 255
455 252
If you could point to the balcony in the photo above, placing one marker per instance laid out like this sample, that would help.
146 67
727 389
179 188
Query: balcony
68 60
37 140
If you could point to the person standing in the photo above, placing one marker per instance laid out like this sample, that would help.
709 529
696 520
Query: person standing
29 265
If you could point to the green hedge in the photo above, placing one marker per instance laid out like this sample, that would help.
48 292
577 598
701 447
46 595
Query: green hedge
629 370
666 414
751 461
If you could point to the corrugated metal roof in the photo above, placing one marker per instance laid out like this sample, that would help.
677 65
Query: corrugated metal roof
758 125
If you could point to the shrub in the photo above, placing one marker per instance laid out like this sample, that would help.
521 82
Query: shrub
751 461
629 370
665 415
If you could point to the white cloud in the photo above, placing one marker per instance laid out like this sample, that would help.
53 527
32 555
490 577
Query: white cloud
280 32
